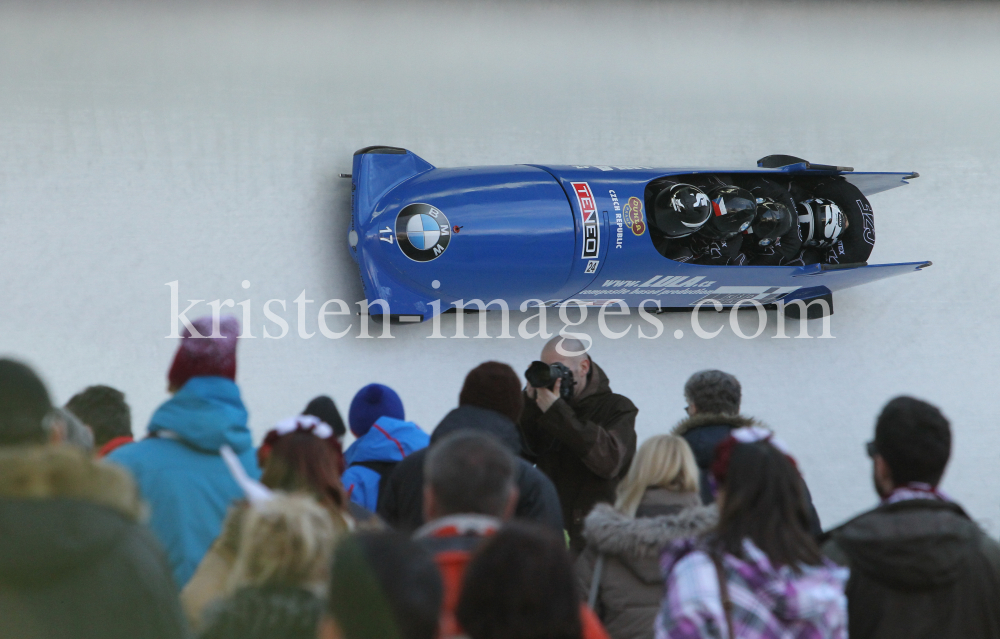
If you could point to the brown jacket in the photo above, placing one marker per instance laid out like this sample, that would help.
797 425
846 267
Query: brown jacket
584 446
630 591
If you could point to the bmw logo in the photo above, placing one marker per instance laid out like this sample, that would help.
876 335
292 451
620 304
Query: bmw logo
422 232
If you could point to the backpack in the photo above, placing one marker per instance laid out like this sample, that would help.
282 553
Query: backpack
382 468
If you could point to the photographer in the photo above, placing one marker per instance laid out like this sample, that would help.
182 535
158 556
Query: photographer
577 431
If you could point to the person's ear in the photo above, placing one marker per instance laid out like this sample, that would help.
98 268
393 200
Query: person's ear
430 504
585 366
511 507
884 483
57 434
328 629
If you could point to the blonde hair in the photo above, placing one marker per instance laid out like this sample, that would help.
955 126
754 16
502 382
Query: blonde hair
285 541
663 461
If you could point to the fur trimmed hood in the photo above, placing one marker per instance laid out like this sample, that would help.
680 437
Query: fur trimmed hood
636 543
611 532
712 419
54 472
61 512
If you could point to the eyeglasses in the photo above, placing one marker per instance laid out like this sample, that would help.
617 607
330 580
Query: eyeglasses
871 449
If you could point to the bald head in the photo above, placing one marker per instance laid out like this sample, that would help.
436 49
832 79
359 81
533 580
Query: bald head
573 354
566 348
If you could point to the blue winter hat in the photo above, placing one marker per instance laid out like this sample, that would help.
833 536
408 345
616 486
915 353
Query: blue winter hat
371 402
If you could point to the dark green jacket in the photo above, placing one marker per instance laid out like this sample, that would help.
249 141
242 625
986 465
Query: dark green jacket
919 569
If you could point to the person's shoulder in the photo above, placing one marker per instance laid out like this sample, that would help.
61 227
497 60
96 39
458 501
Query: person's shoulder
409 467
146 451
832 550
899 523
527 473
356 473
686 564
989 549
712 424
533 481
126 454
623 403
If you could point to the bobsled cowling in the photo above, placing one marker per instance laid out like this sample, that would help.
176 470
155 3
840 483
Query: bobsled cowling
427 238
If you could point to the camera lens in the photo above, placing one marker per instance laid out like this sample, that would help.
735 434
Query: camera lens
539 375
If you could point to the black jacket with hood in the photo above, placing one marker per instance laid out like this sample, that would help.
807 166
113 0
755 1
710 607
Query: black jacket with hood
74 561
401 502
920 569
703 432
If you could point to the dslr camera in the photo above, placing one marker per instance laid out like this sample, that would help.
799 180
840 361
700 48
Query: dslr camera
542 375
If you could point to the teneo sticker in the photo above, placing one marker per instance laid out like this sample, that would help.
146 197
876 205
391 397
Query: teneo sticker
422 232
588 215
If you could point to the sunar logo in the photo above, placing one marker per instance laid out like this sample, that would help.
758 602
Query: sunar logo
588 214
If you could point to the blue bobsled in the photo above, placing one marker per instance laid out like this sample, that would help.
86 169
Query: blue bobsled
425 238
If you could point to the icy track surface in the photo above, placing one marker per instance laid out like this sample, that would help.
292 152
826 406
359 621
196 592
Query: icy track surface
201 143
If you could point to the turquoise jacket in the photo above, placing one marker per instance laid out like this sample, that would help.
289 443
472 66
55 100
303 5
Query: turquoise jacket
180 473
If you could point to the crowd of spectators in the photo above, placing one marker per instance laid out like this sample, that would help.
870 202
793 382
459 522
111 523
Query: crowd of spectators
527 513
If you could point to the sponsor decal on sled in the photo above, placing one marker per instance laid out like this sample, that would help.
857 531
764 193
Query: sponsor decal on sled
633 216
422 231
588 215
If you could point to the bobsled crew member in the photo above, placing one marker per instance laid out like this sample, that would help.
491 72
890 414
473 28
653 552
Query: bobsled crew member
384 439
775 237
838 226
490 402
679 211
758 222
178 467
582 437
692 225
720 240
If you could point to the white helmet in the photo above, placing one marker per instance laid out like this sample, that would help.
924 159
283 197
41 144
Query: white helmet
823 222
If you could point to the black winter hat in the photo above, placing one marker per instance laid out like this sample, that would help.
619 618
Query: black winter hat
914 439
24 403
324 408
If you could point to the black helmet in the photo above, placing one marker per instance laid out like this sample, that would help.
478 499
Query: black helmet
773 220
823 222
733 210
681 210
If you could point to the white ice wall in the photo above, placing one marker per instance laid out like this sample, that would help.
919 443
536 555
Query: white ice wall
141 145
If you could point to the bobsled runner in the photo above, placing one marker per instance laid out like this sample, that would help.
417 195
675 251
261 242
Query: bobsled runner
425 238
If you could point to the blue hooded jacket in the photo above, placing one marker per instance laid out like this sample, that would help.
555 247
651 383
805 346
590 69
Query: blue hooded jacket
180 473
389 440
